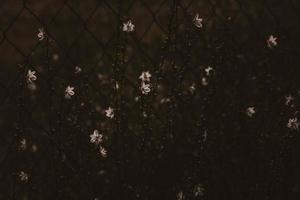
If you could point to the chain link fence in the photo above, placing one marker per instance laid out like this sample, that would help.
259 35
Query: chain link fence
198 101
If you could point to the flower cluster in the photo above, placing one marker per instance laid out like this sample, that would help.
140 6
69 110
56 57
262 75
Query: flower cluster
31 77
41 34
145 82
97 139
128 26
293 124
198 21
24 177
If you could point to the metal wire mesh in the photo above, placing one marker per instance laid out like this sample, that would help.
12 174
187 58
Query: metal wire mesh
189 138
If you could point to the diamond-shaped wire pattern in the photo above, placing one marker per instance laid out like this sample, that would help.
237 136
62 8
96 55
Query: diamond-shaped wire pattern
178 141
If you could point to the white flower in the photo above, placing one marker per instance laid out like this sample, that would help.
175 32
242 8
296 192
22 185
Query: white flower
23 144
96 138
117 86
204 81
137 98
32 86
34 148
23 176
293 124
198 21
145 85
205 136
192 88
180 196
77 70
288 99
31 76
55 57
145 114
41 35
208 70
250 111
103 151
271 42
128 26
145 88
198 190
145 76
69 92
109 112
165 100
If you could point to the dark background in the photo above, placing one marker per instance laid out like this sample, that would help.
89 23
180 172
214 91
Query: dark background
156 150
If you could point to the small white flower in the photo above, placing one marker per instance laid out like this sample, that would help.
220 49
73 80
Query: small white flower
288 99
205 136
23 144
96 138
145 76
24 176
165 100
34 148
109 112
180 196
128 26
271 42
31 76
192 88
32 86
117 86
250 111
77 70
204 81
69 92
198 21
293 124
145 114
208 70
198 190
41 35
145 88
55 57
103 151
137 98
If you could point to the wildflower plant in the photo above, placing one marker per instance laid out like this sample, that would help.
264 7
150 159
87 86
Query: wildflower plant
149 99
